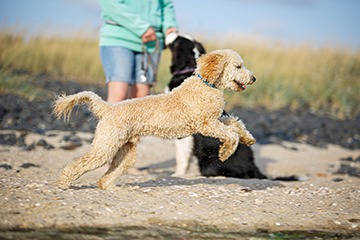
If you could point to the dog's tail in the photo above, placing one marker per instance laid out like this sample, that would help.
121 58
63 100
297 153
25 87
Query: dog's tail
64 105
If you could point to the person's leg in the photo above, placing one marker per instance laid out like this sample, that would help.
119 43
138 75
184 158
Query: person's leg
119 69
117 91
139 90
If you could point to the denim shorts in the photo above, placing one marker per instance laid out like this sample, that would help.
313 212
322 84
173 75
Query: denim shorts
124 65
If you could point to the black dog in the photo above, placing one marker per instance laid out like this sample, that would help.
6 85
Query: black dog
241 164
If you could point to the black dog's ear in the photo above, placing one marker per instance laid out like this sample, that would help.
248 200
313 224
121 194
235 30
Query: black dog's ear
199 47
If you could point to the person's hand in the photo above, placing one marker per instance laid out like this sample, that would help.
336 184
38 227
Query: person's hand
149 35
171 30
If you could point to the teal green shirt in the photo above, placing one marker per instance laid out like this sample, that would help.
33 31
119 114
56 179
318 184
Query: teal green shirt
133 18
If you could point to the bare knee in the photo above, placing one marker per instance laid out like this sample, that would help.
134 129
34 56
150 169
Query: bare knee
139 90
117 91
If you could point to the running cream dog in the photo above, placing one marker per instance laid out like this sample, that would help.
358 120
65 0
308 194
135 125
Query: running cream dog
194 107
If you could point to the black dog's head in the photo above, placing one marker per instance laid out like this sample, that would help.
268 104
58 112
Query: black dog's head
185 51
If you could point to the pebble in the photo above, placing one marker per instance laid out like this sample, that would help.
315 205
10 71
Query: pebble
337 222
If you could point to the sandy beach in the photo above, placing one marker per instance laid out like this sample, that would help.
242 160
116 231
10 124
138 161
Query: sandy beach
156 205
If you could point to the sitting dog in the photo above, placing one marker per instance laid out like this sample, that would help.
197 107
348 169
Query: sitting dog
194 107
185 50
239 165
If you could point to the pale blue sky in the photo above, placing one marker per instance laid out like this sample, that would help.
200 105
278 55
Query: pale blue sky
290 21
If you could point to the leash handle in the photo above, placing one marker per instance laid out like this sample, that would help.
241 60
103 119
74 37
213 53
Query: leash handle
149 60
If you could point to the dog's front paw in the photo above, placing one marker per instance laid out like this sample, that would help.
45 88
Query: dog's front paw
227 149
64 185
223 156
248 141
106 185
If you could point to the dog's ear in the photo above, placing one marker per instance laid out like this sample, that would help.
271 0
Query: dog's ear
210 66
199 47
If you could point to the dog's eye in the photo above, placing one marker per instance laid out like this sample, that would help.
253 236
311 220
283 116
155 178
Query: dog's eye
238 66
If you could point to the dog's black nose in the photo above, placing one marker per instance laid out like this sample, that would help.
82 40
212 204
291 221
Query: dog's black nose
253 78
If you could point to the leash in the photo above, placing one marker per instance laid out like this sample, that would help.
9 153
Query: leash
148 57
206 82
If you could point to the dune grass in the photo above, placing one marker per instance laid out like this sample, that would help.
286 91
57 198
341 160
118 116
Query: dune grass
75 57
323 79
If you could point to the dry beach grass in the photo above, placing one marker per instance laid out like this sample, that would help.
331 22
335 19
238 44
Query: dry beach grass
324 79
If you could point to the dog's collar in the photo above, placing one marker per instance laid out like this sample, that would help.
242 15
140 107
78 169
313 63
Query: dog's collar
206 82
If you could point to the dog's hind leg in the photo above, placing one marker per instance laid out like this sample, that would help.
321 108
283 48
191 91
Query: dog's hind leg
90 161
104 149
124 159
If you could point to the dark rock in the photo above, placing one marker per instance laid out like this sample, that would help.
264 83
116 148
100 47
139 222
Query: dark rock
8 139
44 144
20 141
29 147
337 179
6 166
348 169
71 142
351 159
29 165
292 178
349 166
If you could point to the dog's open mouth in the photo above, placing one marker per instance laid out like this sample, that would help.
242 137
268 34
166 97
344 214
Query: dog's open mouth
242 86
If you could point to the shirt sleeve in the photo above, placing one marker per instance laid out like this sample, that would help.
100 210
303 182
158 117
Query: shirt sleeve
118 12
169 17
